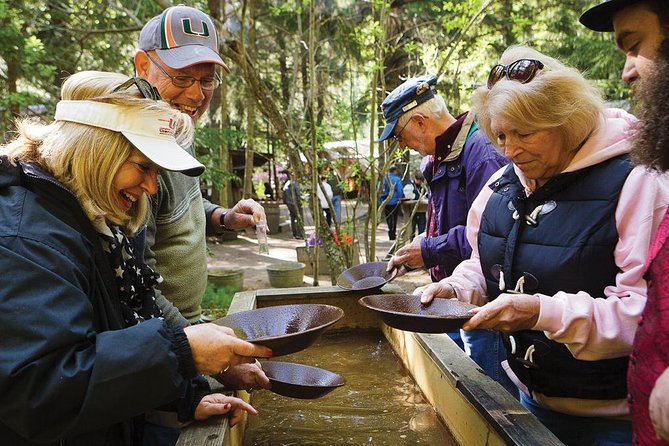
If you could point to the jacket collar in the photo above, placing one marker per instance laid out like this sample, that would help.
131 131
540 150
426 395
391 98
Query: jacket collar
450 144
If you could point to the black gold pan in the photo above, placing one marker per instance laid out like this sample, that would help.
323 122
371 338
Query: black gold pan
406 312
367 276
300 381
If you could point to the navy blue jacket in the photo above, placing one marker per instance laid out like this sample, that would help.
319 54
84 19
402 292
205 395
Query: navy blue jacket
70 372
566 246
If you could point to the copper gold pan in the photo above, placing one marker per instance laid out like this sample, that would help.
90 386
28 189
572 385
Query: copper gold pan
283 328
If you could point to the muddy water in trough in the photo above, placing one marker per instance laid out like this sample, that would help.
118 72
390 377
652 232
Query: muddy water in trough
379 405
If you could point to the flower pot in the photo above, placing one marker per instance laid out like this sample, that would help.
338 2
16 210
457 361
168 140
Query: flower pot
286 274
276 213
230 278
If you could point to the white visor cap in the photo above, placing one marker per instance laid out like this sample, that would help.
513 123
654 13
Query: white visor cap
152 133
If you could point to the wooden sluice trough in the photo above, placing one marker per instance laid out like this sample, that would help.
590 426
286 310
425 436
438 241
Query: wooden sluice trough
474 408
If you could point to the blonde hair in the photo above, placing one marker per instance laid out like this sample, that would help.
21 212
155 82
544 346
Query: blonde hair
85 159
558 97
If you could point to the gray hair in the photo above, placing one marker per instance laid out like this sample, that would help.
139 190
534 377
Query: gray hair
433 108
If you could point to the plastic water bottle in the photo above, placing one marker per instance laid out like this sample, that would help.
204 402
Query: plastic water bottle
261 235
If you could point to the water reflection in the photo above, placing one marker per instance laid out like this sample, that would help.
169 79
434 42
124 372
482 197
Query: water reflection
379 405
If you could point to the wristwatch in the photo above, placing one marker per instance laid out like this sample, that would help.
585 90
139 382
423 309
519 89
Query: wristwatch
222 221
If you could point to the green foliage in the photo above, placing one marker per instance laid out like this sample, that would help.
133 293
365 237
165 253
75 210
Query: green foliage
218 298
208 141
215 137
213 173
259 188
41 41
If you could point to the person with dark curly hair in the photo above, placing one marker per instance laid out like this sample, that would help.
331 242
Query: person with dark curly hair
648 373
638 25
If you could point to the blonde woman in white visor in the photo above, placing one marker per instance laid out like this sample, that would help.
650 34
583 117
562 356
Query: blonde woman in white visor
85 350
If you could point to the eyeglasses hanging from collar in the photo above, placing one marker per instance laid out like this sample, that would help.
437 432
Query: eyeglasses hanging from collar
145 88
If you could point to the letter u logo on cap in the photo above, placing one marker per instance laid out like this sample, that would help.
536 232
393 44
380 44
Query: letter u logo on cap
188 29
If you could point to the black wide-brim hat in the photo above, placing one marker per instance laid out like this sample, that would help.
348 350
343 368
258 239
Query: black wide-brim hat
600 17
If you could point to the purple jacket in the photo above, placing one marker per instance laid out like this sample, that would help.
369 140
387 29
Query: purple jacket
453 184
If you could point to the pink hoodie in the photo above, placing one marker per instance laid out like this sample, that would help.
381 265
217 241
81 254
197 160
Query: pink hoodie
591 329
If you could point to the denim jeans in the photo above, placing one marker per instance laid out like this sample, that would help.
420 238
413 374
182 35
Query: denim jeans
455 337
581 431
487 350
336 204
418 224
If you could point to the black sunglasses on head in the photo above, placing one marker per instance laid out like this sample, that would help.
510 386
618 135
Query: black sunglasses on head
522 70
145 88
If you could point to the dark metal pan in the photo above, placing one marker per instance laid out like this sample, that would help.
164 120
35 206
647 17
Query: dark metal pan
367 276
283 328
405 312
300 381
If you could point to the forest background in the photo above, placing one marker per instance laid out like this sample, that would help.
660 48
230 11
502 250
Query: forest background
303 72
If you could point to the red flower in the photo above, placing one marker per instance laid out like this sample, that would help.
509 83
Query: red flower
345 239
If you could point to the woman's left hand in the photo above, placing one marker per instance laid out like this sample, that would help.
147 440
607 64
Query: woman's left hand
508 313
658 406
219 404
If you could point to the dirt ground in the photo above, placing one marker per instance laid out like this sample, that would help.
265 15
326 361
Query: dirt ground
242 253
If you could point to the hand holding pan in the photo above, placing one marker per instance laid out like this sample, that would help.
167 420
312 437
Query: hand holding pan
216 349
367 276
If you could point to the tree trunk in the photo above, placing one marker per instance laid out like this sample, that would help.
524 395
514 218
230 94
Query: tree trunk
218 117
247 190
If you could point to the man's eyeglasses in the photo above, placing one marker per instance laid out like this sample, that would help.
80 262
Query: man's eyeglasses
397 136
522 70
206 83
145 88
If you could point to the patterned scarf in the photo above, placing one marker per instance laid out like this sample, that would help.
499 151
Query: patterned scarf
134 279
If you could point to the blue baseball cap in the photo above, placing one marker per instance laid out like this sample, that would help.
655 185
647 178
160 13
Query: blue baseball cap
409 95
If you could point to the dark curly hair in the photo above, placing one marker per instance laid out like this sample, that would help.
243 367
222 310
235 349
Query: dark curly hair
651 143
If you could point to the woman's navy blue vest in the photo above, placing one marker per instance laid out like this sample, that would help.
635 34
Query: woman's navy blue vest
562 239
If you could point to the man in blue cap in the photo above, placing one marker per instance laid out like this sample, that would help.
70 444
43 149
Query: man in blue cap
458 162
639 27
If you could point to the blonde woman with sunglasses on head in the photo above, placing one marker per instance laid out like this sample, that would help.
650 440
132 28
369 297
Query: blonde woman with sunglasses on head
559 241
85 350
